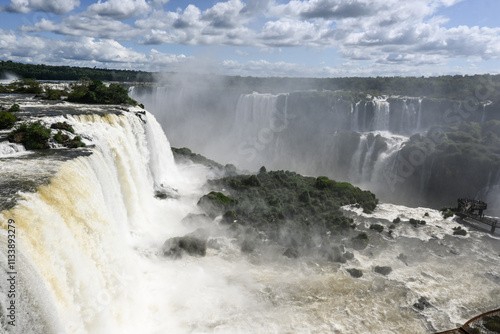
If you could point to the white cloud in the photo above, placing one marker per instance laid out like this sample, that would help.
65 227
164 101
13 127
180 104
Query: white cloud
119 9
80 51
385 33
224 15
86 26
49 6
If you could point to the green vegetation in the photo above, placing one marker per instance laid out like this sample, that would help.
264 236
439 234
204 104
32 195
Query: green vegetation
447 212
96 92
62 126
360 241
459 231
65 140
14 108
7 120
215 203
377 227
288 208
492 323
23 86
32 135
84 91
458 159
451 87
46 72
183 154
416 222
54 94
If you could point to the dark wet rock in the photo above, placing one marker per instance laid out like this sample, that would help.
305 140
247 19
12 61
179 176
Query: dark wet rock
403 258
348 256
356 273
215 203
459 231
416 222
62 126
360 242
191 245
164 192
229 217
291 253
216 243
248 246
422 304
382 270
377 227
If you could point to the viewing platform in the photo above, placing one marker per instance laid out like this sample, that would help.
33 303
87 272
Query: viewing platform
467 209
486 323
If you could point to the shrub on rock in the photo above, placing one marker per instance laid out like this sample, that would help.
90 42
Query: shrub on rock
32 135
7 120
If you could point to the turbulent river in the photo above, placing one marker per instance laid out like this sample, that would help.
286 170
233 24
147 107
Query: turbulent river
88 259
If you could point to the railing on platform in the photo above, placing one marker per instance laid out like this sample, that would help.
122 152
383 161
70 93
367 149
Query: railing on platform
486 323
468 207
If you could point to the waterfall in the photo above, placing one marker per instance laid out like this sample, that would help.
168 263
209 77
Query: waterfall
382 115
491 193
356 166
355 117
11 149
258 122
419 114
76 236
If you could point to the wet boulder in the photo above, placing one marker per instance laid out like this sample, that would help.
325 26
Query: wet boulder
215 203
382 270
356 273
360 242
292 253
191 244
422 304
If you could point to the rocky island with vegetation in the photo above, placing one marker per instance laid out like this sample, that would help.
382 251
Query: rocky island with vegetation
37 135
279 212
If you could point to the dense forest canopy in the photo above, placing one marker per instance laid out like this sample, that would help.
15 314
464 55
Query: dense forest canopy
448 86
46 72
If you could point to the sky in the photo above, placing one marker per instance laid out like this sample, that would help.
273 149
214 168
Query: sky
297 38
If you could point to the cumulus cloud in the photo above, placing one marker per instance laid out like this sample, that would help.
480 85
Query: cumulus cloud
87 26
224 14
80 51
119 9
49 6
385 33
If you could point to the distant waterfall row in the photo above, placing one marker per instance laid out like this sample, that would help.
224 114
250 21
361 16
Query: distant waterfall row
343 135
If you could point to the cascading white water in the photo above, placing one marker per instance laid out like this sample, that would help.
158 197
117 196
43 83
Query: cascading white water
79 232
382 115
355 116
89 257
11 149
